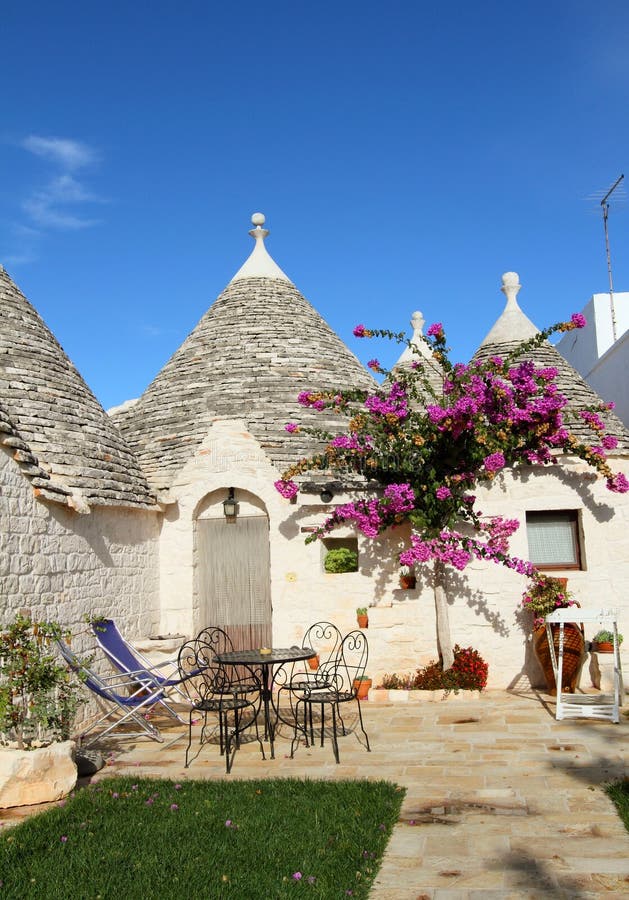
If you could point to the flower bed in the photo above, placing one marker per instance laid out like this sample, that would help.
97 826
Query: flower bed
415 697
468 673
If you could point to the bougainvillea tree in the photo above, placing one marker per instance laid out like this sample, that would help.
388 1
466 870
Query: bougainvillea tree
423 451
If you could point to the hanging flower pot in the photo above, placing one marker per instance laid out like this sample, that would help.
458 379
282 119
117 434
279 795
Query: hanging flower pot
407 578
362 617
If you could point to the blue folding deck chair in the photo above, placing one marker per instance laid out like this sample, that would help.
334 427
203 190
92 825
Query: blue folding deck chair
122 708
134 665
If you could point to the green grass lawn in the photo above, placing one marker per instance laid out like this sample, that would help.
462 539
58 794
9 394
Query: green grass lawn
619 792
138 839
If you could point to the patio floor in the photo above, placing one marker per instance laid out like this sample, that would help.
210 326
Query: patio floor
502 800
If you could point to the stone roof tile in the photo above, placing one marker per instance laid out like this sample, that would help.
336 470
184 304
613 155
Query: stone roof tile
258 346
49 416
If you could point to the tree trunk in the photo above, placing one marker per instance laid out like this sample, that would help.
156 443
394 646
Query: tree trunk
444 640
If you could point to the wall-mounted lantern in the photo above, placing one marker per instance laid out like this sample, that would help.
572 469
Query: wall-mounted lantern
230 507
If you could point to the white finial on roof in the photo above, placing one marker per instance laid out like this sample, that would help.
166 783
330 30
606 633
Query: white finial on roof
512 325
417 322
510 287
259 264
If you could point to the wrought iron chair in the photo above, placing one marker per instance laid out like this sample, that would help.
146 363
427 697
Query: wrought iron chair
120 698
326 639
219 642
341 679
218 693
132 663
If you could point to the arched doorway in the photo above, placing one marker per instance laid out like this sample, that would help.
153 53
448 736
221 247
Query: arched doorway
233 569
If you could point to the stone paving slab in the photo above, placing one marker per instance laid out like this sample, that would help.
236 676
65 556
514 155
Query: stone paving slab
502 801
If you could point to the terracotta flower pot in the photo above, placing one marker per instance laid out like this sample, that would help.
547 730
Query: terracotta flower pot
603 647
363 621
573 655
314 662
408 582
361 686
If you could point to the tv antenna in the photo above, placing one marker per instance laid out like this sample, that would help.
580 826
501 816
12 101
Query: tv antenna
605 208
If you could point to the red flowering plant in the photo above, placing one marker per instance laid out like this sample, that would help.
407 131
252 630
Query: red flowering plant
422 452
468 672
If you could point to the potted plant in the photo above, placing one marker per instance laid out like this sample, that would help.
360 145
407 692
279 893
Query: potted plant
362 684
407 578
362 617
545 594
340 559
38 700
603 641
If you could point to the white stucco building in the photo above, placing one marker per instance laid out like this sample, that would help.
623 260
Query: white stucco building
123 515
600 351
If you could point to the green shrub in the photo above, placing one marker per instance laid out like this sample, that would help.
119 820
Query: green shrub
341 559
606 637
38 696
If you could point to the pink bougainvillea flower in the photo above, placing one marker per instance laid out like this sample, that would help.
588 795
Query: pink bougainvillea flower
578 320
618 483
373 364
287 489
359 331
443 493
291 427
494 462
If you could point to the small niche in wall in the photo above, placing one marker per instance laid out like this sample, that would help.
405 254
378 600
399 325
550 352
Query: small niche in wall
339 555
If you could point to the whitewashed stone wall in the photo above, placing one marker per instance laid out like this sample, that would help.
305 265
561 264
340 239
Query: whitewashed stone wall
60 565
484 599
228 457
402 635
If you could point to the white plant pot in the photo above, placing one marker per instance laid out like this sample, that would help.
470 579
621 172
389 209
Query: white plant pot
28 777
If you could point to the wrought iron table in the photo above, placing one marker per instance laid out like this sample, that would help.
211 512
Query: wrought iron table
265 662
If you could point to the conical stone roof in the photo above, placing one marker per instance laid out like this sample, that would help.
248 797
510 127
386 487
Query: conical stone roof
258 346
513 327
54 427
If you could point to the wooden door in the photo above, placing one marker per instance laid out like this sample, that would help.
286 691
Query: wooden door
234 578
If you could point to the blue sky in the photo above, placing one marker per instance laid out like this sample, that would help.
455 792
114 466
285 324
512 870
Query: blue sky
405 154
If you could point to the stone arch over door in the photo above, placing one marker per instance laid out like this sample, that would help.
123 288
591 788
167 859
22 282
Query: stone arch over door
232 563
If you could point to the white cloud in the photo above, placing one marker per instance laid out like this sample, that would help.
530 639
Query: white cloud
40 207
48 206
19 259
65 152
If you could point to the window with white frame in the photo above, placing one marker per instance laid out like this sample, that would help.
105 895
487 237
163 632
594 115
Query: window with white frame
553 537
